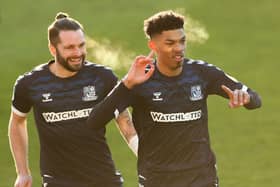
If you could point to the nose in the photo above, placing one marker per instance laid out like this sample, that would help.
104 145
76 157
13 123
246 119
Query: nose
77 51
179 47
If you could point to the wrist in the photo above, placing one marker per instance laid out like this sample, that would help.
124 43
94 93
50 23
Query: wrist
24 172
127 83
133 144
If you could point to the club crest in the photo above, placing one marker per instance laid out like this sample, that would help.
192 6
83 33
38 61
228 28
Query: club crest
196 93
89 93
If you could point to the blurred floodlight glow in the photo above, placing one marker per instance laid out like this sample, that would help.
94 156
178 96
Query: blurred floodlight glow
196 32
109 54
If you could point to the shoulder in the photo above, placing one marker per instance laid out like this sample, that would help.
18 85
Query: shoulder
201 65
197 63
98 69
32 75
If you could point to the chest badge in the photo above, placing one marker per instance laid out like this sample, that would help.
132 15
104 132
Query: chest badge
89 93
196 93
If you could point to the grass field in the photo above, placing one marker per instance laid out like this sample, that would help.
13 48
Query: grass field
244 39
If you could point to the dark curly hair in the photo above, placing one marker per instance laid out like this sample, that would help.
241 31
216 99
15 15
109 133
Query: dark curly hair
163 21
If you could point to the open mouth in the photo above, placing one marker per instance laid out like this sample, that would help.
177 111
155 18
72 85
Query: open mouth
179 58
75 60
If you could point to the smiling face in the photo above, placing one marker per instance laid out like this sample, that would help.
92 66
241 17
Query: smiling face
70 51
170 48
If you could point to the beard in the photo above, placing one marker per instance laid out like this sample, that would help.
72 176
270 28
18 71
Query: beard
64 62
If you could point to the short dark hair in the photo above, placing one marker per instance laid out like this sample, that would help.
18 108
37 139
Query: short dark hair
163 21
62 22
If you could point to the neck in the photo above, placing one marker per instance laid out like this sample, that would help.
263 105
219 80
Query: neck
60 71
169 72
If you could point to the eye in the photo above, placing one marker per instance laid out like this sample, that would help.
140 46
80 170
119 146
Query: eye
82 45
169 43
68 47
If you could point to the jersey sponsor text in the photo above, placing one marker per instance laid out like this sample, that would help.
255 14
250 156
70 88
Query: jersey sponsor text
176 117
66 115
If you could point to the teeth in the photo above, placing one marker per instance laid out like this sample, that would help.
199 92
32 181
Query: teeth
178 57
75 59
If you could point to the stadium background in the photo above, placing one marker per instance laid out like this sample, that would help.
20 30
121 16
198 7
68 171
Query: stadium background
243 41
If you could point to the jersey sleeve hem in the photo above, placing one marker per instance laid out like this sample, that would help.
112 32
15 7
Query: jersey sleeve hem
17 112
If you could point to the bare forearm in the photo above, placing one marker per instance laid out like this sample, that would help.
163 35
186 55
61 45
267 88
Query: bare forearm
125 125
18 144
128 131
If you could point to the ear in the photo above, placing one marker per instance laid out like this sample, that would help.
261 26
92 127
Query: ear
152 45
52 49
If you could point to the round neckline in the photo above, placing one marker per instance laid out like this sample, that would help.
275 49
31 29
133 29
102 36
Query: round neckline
170 78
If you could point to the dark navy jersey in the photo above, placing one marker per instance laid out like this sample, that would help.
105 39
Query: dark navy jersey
69 149
170 117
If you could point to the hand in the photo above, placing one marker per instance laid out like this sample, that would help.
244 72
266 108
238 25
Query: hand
237 98
138 73
23 181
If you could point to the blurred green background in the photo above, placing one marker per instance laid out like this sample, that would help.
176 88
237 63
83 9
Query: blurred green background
244 39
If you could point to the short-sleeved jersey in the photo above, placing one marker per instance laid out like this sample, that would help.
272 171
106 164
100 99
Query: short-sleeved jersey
170 117
69 149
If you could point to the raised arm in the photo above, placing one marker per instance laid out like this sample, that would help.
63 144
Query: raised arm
18 139
242 97
102 113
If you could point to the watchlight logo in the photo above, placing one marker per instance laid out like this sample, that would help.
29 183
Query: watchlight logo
51 117
176 117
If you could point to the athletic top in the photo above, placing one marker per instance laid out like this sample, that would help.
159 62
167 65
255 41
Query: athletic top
170 115
69 150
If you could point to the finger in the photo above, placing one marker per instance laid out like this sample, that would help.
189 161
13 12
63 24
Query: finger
139 58
246 98
143 62
240 97
228 91
235 97
151 54
231 105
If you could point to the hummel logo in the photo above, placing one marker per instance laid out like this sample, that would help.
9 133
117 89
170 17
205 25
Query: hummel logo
157 96
46 97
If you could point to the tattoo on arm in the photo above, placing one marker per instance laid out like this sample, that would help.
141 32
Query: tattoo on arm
125 125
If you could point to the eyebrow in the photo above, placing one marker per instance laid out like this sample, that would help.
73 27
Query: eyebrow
171 40
72 45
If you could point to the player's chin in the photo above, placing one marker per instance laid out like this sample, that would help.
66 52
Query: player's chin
77 67
179 63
